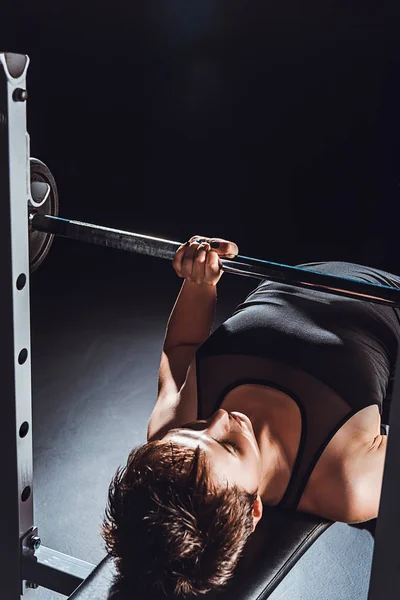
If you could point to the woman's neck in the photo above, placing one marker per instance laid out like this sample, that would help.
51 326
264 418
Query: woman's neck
276 421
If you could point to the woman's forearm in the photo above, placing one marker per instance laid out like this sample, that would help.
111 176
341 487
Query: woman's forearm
192 316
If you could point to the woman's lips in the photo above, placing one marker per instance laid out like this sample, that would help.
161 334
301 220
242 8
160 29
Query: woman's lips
237 418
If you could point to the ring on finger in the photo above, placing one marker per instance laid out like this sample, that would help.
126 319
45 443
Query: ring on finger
202 246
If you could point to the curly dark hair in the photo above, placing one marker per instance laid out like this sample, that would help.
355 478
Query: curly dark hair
168 527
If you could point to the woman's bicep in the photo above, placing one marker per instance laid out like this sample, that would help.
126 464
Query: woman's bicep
367 476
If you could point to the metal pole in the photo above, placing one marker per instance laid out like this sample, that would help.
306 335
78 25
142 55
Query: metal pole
241 265
16 455
385 570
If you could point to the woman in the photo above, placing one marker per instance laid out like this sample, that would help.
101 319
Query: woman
281 405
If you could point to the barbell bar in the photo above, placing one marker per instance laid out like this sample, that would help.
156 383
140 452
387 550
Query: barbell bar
43 227
241 265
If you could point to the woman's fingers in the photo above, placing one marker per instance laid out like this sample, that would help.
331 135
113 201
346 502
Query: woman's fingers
178 259
222 247
188 259
199 259
213 268
225 248
199 263
183 259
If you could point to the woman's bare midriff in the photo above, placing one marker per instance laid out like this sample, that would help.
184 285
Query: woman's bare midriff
325 486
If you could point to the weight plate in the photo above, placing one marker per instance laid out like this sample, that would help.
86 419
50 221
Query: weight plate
40 242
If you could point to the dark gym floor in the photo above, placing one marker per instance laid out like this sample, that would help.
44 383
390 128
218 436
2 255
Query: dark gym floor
98 321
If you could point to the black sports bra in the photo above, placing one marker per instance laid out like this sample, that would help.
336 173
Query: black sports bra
332 355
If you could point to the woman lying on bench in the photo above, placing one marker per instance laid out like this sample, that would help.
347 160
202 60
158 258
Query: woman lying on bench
280 406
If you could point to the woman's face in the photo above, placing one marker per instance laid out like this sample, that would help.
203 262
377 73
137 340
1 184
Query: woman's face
230 446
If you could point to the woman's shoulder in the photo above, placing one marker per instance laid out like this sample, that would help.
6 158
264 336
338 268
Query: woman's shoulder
346 482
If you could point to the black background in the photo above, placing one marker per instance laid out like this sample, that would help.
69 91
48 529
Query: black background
275 124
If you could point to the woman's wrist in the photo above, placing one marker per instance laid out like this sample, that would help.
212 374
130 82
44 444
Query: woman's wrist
192 316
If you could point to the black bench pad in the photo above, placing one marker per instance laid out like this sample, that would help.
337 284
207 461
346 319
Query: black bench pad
279 541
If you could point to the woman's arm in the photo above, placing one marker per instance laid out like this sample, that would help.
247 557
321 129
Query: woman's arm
192 316
189 325
366 473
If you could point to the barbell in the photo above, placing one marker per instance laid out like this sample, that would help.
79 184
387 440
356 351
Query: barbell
44 224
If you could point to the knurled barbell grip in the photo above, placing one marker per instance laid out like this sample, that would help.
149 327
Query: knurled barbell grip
105 236
241 265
